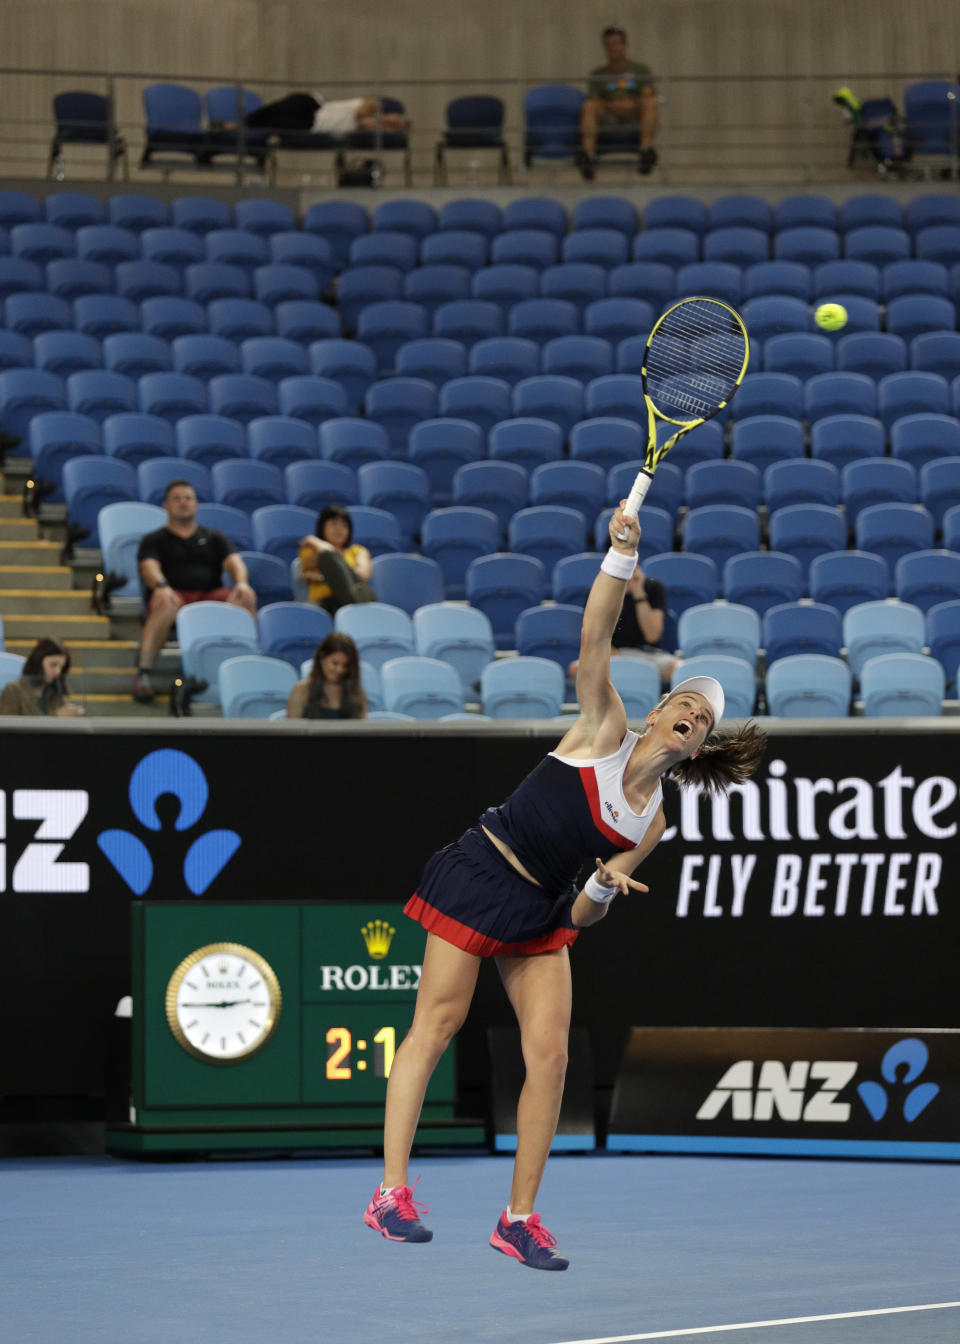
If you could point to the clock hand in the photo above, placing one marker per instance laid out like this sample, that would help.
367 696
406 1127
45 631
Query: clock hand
224 1003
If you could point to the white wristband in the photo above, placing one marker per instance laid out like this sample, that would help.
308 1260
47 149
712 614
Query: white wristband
618 565
598 893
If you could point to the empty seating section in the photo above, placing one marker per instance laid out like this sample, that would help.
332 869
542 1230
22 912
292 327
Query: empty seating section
467 381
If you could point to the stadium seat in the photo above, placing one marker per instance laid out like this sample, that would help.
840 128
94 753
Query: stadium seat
379 630
940 243
434 284
637 683
281 440
200 214
99 393
279 528
254 687
292 631
808 686
467 248
741 210
737 678
339 222
806 211
522 688
349 363
122 528
312 485
860 279
873 353
726 628
19 277
619 395
940 487
440 446
432 357
386 326
720 531
723 482
877 244
919 439
41 243
136 438
677 212
617 320
832 394
550 632
703 444
763 440
502 585
769 394
385 248
407 581
580 357
542 320
807 245
808 530
61 353
689 579
870 208
762 579
397 404
802 354
936 352
55 437
790 628
130 353
549 397
306 397
580 283
267 218
402 488
234 524
902 686
291 247
468 321
504 284
914 277
304 321
210 438
156 473
576 485
273 358
844 439
242 397
89 483
71 278
925 578
203 356
943 638
30 314
650 281
269 577
526 441
874 628
509 358
167 316
19 207
876 480
483 401
210 632
788 278
480 216
538 248
240 319
247 485
736 246
454 537
172 246
11 667
548 532
73 210
913 314
352 441
425 688
573 577
716 279
842 579
668 246
606 441
902 394
501 487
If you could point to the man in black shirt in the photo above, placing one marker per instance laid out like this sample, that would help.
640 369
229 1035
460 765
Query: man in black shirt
182 563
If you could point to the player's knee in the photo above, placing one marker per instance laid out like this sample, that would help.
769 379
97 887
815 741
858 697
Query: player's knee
548 1061
437 1029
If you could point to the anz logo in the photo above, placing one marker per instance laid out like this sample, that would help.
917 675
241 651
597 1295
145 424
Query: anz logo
807 1090
59 814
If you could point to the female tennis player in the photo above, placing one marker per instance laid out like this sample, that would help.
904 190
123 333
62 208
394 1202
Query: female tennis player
507 889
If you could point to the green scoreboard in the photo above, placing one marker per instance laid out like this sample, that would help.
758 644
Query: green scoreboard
274 1026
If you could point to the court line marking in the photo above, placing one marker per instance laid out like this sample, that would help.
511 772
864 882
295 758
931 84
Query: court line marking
757 1325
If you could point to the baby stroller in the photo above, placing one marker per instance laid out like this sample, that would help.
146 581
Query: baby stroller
878 132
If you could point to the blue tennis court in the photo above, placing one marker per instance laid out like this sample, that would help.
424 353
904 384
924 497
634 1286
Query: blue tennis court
790 1252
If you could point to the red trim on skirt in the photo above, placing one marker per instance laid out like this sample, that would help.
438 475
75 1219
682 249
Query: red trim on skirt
468 940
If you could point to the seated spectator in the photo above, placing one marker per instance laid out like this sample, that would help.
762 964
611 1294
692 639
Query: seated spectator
182 563
640 628
620 95
337 571
336 117
42 688
333 689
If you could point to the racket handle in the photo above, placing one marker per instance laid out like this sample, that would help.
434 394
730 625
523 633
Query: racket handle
636 497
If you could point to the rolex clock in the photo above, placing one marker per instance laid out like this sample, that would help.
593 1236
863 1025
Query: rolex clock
223 1003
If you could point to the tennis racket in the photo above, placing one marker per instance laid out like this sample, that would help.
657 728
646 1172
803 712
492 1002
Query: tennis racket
695 359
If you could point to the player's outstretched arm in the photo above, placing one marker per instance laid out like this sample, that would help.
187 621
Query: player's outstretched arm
604 603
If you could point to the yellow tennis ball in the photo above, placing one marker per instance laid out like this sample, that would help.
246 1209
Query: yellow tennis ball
831 316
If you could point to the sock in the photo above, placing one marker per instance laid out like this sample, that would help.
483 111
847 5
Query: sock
516 1217
385 1190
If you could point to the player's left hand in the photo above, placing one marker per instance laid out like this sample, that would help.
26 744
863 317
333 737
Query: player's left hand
609 877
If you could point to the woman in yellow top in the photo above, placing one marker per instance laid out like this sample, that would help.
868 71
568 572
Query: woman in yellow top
337 571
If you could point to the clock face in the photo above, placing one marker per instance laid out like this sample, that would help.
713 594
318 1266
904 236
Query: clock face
223 1003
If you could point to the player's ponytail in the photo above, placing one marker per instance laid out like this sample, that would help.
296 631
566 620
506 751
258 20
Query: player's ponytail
724 759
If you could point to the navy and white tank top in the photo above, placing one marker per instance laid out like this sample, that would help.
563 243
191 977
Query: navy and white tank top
568 812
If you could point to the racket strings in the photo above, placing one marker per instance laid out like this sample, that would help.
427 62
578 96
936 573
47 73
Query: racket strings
694 359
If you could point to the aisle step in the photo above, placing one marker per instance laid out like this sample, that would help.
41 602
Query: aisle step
46 577
68 629
11 506
92 654
34 552
43 601
20 530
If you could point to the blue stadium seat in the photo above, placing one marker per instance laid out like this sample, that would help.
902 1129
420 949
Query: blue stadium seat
736 246
122 528
578 282
19 207
200 214
550 632
91 482
842 579
873 353
943 637
807 530
669 246
376 529
940 487
580 357
407 581
702 444
928 577
233 523
875 628
844 439
527 441
26 394
362 285
501 487
441 446
468 321
808 245
210 632
254 687
542 320
339 222
386 248
70 278
902 685
273 358
352 441
312 485
106 244
914 277
469 248
30 314
437 283
431 357
807 211
480 216
650 281
240 319
913 314
606 441
169 316
928 210
737 678
303 321
774 315
676 212
870 208
454 537
65 352
741 210
41 243
548 532
604 247
720 531
425 688
136 438
536 212
716 279
401 488
19 277
762 579
282 282
509 358
936 352
763 440
858 278
398 404
619 319
99 393
808 686
791 279
522 688
279 528
267 218
902 394
504 284
720 627
240 396
876 480
210 438
688 579
573 577
247 485
73 210
172 246
416 218
205 357
877 244
236 247
723 482
619 395
132 354
832 394
292 630
525 247
11 667
281 440
924 438
384 327
769 394
940 243
862 315
291 247
572 484
154 475
349 363
549 397
793 627
802 354
501 586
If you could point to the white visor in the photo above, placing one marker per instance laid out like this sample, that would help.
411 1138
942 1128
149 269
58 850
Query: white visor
709 688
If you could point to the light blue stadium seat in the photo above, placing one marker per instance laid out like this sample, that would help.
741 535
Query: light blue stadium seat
312 484
254 687
18 276
122 528
543 320
11 667
619 319
603 215
720 627
210 632
925 578
522 688
292 630
762 579
736 676
716 279
637 683
808 686
619 395
352 441
281 440
902 685
247 485
457 635
842 579
874 628
202 356
41 243
407 581
155 474
791 627
279 528
379 630
775 315
16 351
425 688
236 247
